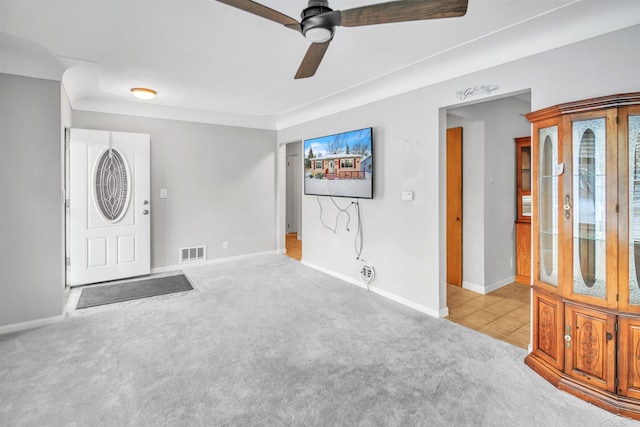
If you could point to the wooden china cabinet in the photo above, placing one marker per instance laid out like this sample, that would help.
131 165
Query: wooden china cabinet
586 250
523 222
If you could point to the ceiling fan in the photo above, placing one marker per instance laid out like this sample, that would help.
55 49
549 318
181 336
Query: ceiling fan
319 20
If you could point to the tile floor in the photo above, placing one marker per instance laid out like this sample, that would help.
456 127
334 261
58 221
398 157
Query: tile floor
504 314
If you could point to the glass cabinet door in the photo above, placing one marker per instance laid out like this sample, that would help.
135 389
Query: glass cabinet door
634 210
523 181
525 169
589 207
548 205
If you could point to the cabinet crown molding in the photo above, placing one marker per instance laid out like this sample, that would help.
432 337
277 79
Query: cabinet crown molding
604 102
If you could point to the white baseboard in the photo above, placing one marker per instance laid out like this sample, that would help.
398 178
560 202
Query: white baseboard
15 327
488 288
502 283
472 287
419 307
176 267
393 297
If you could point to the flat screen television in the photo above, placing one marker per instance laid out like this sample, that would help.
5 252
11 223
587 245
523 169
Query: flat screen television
340 165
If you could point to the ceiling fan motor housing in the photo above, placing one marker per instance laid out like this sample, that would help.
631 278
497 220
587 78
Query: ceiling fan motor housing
319 21
315 7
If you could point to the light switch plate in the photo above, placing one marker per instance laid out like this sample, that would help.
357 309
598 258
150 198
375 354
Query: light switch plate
163 193
407 195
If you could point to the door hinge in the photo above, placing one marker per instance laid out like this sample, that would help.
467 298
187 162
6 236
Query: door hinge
617 120
615 383
67 136
616 322
68 261
617 208
616 301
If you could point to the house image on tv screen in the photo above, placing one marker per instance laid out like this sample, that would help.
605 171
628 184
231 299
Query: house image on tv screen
342 166
339 165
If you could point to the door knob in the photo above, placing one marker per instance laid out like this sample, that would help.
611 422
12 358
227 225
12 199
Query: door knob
145 212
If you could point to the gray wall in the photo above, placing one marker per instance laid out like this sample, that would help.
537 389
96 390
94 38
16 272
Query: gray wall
31 230
220 182
406 241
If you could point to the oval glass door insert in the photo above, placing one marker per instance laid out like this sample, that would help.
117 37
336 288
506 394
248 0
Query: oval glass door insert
548 205
589 199
111 185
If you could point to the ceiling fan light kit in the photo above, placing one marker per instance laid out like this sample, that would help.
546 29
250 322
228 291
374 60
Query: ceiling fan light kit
318 35
319 20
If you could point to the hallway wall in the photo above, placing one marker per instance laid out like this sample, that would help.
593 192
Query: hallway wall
31 210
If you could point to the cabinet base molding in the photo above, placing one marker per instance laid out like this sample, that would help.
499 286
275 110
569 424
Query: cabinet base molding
611 402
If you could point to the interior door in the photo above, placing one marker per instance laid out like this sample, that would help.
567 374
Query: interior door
454 206
109 206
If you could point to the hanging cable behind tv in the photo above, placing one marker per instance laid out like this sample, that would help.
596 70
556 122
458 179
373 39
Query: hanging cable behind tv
358 242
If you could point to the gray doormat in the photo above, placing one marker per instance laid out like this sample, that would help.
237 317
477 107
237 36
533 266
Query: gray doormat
118 292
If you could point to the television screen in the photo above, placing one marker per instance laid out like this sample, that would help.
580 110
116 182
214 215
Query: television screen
339 165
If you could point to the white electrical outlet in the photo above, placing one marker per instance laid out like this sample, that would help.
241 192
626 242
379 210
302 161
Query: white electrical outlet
225 245
163 193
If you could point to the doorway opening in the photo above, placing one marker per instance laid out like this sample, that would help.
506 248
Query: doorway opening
293 200
489 299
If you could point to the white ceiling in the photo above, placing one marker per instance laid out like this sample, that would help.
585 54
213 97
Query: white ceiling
213 63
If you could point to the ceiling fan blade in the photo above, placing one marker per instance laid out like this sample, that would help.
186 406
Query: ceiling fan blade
403 10
312 60
264 12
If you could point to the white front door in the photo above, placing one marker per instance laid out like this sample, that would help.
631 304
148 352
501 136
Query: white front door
110 210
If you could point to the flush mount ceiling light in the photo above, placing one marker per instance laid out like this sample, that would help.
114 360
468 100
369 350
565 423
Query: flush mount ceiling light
143 93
